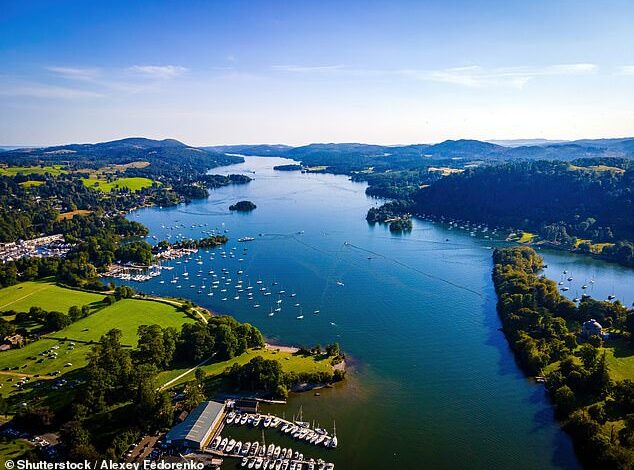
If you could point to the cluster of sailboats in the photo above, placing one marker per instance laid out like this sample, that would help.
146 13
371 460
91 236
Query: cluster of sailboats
567 277
299 430
271 457
230 285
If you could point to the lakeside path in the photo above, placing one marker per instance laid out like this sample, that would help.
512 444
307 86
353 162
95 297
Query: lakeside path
189 371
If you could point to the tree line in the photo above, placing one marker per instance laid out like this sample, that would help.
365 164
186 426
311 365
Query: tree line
543 329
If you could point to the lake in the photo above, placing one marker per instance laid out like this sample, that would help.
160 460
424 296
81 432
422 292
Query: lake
432 382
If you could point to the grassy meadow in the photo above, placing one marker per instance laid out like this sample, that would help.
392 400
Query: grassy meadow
105 186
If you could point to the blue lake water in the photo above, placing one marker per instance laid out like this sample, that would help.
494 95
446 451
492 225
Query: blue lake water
433 383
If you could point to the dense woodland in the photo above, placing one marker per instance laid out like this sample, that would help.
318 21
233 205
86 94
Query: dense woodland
543 328
562 202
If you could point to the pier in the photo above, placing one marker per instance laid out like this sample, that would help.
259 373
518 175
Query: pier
260 456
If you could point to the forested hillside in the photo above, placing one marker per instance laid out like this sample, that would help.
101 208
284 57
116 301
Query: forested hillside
589 199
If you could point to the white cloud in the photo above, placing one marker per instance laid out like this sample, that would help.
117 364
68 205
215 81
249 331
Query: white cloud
47 91
626 70
307 68
513 77
159 71
75 73
473 76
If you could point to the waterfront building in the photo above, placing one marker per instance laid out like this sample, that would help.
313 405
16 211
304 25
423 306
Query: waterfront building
198 428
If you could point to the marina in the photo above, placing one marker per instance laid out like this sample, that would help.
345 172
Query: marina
257 454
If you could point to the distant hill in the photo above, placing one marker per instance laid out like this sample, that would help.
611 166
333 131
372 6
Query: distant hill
358 155
167 152
264 150
525 142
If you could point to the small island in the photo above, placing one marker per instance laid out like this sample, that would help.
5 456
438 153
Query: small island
242 206
290 167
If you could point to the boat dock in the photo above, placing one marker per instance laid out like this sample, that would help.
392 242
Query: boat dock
260 456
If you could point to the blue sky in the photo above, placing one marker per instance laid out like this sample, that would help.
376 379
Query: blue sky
219 72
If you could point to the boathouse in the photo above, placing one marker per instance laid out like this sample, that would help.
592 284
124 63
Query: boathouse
246 405
198 428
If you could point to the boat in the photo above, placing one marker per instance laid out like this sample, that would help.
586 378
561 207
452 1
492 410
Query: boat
230 417
267 422
230 445
245 448
237 448
245 461
256 421
333 442
243 419
300 317
340 283
276 452
246 239
270 449
251 463
223 444
316 312
215 442
254 448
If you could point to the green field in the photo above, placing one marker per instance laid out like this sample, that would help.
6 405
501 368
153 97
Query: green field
126 315
619 354
133 184
527 237
12 449
31 183
31 170
289 361
47 295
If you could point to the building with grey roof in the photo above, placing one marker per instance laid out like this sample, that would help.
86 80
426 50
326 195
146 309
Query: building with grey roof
199 427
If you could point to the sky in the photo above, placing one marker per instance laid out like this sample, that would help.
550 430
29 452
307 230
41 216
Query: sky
296 72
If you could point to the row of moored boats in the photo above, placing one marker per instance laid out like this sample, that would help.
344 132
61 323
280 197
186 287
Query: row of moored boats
297 430
257 456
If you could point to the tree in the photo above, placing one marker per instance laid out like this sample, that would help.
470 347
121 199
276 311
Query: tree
195 342
108 372
588 354
333 349
151 346
564 399
56 321
78 442
226 342
200 375
193 395
75 313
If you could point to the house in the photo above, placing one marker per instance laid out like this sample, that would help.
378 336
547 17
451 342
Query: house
591 328
9 342
198 428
